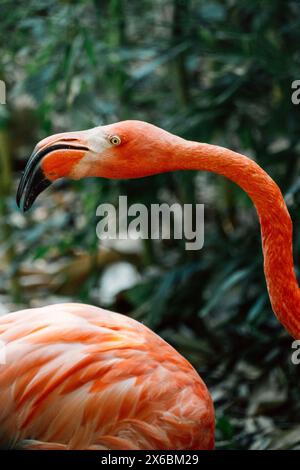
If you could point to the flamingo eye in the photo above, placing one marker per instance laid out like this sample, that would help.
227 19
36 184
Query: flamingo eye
115 140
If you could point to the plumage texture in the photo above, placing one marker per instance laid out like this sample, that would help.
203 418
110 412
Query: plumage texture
80 377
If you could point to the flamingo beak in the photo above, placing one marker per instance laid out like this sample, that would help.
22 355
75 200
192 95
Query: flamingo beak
34 179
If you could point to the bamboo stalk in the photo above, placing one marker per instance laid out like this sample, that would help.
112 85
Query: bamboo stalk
6 180
178 34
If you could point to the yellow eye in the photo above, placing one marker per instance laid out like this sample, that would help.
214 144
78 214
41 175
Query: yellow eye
115 140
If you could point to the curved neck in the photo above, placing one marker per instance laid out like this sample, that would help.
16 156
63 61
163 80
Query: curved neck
275 221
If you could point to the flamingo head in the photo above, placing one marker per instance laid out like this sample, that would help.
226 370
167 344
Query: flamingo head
127 149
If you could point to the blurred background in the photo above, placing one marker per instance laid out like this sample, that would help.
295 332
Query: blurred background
218 71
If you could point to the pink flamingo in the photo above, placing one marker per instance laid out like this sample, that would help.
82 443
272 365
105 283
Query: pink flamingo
79 377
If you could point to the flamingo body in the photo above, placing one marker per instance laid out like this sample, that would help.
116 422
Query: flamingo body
79 377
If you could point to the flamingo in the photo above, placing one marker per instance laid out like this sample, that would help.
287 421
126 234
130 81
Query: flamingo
79 377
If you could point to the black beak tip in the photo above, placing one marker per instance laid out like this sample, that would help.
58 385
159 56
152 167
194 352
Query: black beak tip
33 180
19 193
29 190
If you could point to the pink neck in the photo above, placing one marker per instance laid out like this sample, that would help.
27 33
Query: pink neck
275 221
